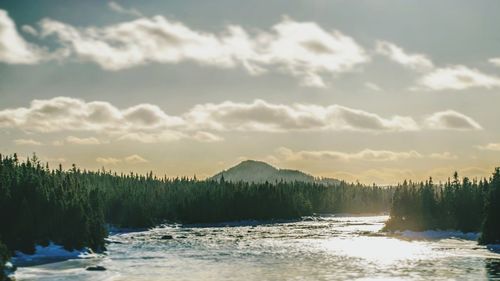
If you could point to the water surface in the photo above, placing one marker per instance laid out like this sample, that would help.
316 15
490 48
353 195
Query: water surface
314 248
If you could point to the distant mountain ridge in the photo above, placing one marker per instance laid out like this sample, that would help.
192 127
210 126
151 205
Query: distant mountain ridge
260 172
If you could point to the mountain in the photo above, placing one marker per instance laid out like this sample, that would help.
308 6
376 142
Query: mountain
259 172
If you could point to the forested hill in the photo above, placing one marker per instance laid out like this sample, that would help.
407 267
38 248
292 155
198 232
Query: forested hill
261 172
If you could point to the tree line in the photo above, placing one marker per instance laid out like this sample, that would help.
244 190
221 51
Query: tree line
458 204
73 207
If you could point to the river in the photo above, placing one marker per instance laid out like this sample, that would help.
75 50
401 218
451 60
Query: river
314 248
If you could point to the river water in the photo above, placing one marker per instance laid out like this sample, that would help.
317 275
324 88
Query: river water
314 248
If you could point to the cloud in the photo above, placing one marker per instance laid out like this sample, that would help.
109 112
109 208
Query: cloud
263 116
490 146
451 120
27 142
132 159
108 160
495 61
135 159
302 49
457 77
121 10
307 51
58 143
70 114
363 155
154 137
373 87
443 156
29 30
148 123
13 48
397 54
82 141
207 137
143 122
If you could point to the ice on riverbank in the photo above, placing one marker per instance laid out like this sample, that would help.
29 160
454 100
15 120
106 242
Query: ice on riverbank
49 253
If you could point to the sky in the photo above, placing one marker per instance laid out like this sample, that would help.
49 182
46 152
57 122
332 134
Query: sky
369 91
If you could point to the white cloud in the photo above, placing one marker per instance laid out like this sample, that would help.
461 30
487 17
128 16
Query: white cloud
108 160
307 50
13 48
150 124
143 122
29 30
366 155
82 141
154 137
495 61
443 156
457 77
397 54
490 146
363 155
27 142
148 116
264 116
451 120
373 86
135 159
132 159
70 114
120 9
137 42
302 49
206 137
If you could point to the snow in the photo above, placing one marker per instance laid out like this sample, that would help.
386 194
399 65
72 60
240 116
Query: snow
50 253
438 234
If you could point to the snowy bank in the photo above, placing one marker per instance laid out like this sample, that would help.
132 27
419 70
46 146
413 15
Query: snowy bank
50 253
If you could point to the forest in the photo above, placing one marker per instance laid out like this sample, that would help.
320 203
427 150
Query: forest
458 204
74 207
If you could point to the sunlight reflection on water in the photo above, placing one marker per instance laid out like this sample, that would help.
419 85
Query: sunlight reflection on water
377 250
316 248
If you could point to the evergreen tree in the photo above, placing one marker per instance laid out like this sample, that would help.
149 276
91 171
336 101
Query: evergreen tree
465 205
491 225
71 208
4 257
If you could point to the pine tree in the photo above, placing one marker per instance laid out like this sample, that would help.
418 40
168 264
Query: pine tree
4 257
491 226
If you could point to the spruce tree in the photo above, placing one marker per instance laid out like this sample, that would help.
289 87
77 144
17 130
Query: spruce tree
491 226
